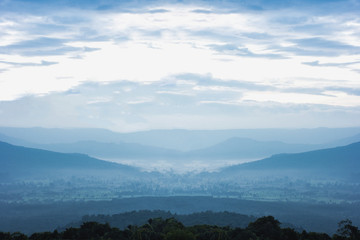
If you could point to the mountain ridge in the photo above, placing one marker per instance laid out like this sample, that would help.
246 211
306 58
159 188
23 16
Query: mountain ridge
15 159
338 158
183 140
249 148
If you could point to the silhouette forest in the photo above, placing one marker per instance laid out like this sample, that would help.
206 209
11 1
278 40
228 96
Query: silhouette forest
264 228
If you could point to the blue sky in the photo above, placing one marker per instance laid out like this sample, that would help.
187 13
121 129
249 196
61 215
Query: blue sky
138 65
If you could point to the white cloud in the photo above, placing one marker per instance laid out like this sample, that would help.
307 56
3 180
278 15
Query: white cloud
243 56
328 98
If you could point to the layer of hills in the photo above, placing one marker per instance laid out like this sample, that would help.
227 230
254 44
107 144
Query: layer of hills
85 154
21 162
170 144
344 159
182 140
233 148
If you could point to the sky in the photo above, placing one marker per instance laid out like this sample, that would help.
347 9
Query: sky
140 65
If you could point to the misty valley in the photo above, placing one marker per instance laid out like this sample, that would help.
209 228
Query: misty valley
61 174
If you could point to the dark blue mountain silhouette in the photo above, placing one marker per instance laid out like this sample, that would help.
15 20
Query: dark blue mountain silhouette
16 157
344 159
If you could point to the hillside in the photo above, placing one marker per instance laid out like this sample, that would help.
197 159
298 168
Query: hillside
235 148
345 141
16 159
344 160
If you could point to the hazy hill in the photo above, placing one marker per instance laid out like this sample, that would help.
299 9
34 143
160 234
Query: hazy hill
15 160
235 148
113 150
345 141
161 144
187 140
14 141
184 140
340 160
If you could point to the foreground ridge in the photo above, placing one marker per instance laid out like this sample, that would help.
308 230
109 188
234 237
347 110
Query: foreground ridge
267 228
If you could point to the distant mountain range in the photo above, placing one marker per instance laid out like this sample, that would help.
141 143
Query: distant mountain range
345 141
119 150
231 148
340 159
181 140
75 155
234 148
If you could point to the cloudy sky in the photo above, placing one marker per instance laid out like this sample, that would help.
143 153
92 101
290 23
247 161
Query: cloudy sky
138 65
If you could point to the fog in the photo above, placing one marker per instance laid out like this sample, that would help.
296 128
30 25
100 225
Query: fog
180 166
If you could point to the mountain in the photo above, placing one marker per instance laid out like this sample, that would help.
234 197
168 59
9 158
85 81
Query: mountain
187 140
345 141
38 135
16 160
340 160
119 150
170 144
235 148
14 141
183 140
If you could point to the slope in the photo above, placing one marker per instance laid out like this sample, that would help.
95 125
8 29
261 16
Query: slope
235 148
342 160
16 160
112 150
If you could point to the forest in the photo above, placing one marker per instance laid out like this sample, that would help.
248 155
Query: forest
264 228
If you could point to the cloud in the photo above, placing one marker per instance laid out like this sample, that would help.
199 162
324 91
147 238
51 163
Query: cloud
320 47
230 49
318 64
208 80
28 64
349 91
128 106
325 44
315 29
142 63
356 70
36 43
203 11
43 47
258 35
159 10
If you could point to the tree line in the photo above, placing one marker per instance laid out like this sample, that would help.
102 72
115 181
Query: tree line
264 228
